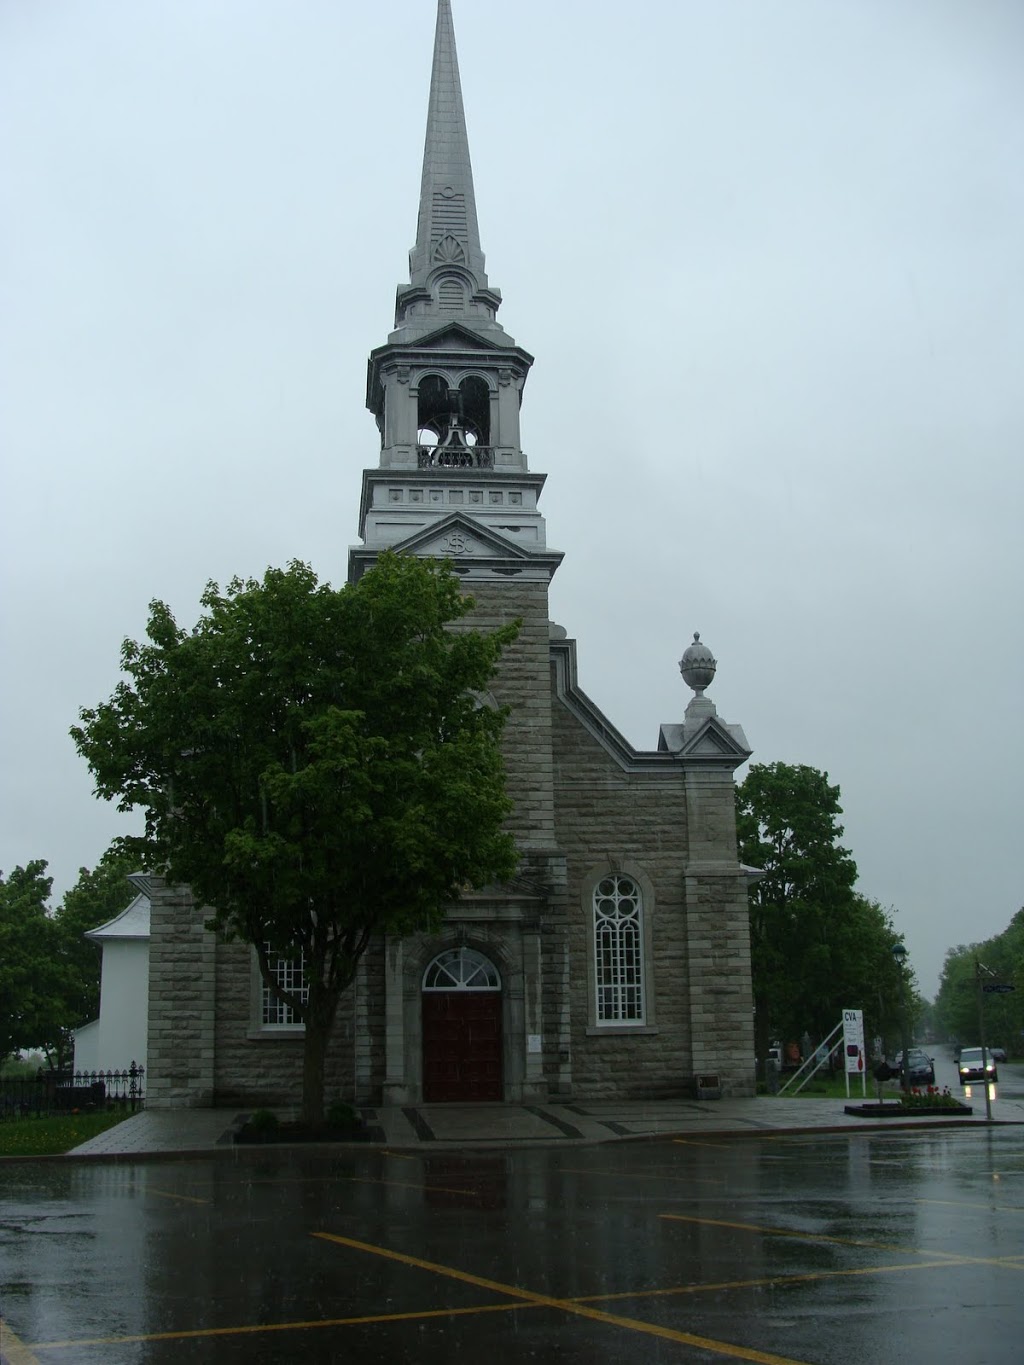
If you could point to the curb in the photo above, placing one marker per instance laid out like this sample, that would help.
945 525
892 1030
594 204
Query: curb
242 1153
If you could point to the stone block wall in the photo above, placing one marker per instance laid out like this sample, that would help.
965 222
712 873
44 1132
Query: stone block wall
264 1068
718 926
636 822
369 1015
182 1002
522 685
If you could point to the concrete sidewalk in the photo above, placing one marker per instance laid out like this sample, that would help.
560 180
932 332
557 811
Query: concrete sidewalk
185 1131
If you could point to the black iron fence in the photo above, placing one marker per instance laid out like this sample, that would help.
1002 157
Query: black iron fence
72 1092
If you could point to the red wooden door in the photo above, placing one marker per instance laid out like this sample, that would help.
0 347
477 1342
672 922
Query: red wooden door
461 1045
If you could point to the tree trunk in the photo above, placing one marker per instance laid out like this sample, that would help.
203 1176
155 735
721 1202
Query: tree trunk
314 1054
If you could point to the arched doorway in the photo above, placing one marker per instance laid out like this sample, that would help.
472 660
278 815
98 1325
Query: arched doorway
461 1028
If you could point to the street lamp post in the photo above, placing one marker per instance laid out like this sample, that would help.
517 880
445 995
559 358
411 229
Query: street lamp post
899 953
979 969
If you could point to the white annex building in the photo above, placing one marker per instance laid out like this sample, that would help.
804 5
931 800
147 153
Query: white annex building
617 962
117 1039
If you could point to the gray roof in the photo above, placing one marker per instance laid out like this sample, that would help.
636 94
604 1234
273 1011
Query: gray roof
132 922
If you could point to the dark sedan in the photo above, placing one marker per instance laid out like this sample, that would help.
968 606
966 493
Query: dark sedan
920 1067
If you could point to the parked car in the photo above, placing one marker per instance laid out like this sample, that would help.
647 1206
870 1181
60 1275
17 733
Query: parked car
920 1067
998 1054
972 1068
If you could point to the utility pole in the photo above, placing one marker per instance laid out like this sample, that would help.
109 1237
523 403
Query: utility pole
899 953
980 968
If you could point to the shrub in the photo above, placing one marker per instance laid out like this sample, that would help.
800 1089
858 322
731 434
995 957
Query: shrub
341 1115
263 1121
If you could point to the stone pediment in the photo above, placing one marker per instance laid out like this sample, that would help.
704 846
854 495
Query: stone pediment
712 742
453 332
459 537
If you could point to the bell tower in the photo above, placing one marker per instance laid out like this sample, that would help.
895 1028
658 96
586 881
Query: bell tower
446 387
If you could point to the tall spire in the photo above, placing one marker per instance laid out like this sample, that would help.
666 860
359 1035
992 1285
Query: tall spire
446 388
446 266
447 203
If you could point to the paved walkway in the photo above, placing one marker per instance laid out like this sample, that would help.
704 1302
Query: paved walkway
182 1131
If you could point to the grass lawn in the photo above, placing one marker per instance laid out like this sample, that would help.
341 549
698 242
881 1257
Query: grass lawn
42 1137
821 1088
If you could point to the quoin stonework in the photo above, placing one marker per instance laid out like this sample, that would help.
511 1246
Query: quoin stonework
617 963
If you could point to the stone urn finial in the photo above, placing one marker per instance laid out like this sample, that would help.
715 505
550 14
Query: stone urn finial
697 665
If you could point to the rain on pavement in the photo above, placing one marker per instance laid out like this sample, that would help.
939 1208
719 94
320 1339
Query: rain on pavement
836 1249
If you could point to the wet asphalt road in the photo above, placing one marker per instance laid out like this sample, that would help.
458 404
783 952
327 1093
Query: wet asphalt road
881 1247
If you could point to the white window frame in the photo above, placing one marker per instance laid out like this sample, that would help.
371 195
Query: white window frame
618 930
273 1016
461 969
601 1021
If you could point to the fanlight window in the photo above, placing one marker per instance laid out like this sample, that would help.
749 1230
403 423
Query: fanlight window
619 951
461 969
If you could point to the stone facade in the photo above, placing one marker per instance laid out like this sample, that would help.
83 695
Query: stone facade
617 962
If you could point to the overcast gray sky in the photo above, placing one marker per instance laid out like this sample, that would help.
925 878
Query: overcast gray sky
768 257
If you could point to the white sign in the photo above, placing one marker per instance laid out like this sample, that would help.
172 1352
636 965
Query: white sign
853 1042
533 1042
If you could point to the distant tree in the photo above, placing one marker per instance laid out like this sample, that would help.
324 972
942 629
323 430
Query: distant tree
817 946
956 1005
49 972
33 976
315 764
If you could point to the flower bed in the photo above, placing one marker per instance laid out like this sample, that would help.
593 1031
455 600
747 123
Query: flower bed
932 1098
931 1101
342 1124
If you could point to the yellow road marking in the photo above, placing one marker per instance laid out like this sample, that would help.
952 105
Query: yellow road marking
763 1282
191 1333
944 1256
407 1185
413 1315
565 1305
789 1232
332 1180
13 1350
169 1194
690 1142
640 1175
963 1204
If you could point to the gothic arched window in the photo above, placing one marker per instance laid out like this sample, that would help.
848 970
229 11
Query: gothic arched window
619 950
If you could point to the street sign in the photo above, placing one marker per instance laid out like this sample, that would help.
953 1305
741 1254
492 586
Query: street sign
997 988
853 1041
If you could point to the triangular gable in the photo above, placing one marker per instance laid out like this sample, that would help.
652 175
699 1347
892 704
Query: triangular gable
458 536
454 331
713 741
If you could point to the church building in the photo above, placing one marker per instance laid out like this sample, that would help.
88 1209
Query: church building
617 963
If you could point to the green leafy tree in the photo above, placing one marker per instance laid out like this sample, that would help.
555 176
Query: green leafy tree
956 1005
817 946
33 976
316 764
